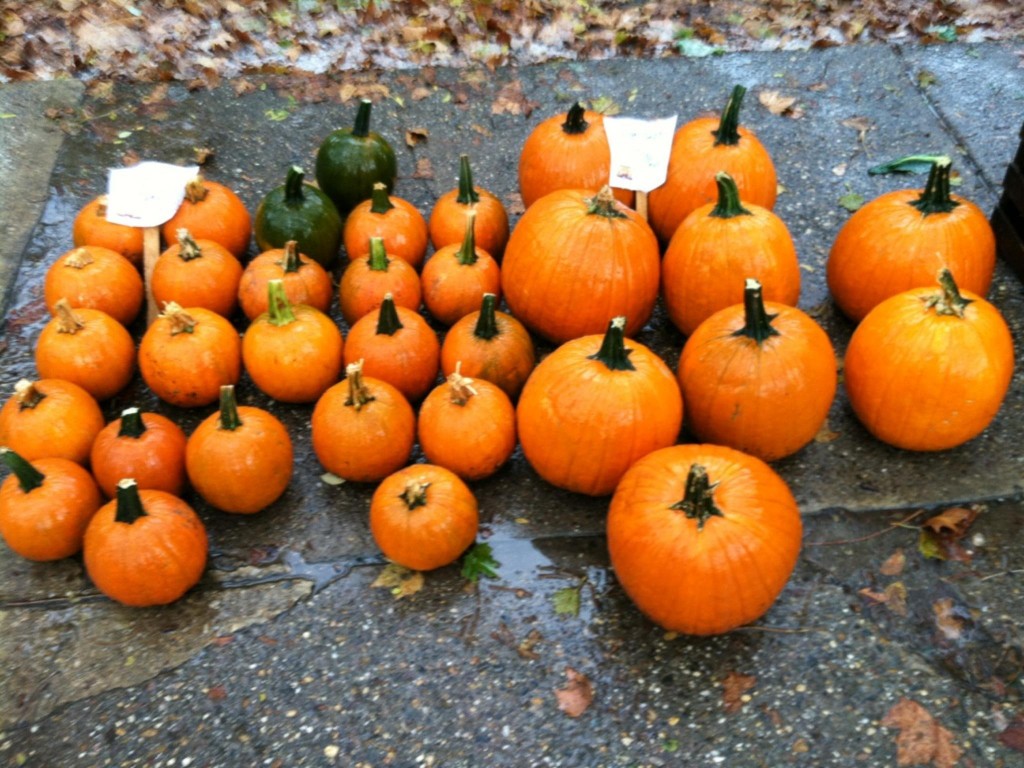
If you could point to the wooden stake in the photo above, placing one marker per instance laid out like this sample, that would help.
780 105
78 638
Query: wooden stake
150 253
641 203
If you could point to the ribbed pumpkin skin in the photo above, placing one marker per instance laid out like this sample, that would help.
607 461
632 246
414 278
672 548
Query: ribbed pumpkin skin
402 228
927 382
888 246
768 399
567 272
712 580
692 166
581 425
709 258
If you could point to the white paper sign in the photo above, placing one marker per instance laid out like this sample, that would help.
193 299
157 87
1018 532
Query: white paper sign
640 150
147 194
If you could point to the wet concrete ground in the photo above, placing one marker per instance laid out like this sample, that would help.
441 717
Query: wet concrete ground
286 655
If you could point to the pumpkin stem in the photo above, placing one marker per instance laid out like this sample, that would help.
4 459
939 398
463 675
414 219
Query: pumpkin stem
574 122
378 259
195 190
358 393
29 478
936 197
758 322
294 193
388 322
728 127
132 424
179 320
379 200
729 205
291 261
467 194
279 309
698 502
101 206
461 387
361 129
27 395
189 247
229 418
67 320
78 258
951 301
467 253
613 352
486 323
603 204
129 505
415 494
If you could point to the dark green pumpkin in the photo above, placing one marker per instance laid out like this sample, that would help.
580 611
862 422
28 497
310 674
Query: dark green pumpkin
351 160
301 212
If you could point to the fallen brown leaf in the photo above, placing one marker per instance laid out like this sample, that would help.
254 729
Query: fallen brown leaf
921 740
860 124
894 564
778 104
401 581
576 695
946 619
424 169
953 522
512 101
414 136
733 687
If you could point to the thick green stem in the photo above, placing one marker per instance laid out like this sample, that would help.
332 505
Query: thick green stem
29 478
388 322
291 262
698 502
379 200
486 324
728 128
362 124
279 309
936 197
129 505
728 205
358 394
415 494
132 424
950 302
294 192
378 259
467 194
758 322
229 419
574 122
613 352
467 253
603 204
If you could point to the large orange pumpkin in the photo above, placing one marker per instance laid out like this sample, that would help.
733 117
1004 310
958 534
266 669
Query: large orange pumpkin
703 538
576 260
593 407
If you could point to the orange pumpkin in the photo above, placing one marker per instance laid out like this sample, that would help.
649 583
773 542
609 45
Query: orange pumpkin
365 281
197 273
593 407
900 240
92 228
701 149
363 429
148 447
98 278
448 217
395 221
211 211
490 345
45 506
717 248
928 369
577 260
759 378
50 418
703 538
187 355
567 152
305 281
240 458
423 517
87 347
467 426
457 276
144 548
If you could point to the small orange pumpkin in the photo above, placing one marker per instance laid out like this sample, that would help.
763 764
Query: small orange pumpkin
50 417
211 211
395 221
305 281
197 273
98 278
447 223
92 228
148 447
457 276
365 281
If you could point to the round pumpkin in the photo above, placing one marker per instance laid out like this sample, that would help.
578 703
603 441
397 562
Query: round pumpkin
197 273
351 160
305 281
148 447
395 221
211 211
92 228
456 277
365 281
300 212
703 538
447 222
98 278
50 417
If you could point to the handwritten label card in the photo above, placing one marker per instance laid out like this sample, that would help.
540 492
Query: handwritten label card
147 194
640 150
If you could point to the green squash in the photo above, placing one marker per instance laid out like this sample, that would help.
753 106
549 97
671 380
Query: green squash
351 160
301 212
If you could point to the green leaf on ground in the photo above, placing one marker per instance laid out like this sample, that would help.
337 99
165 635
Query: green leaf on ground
851 201
907 164
479 561
567 600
